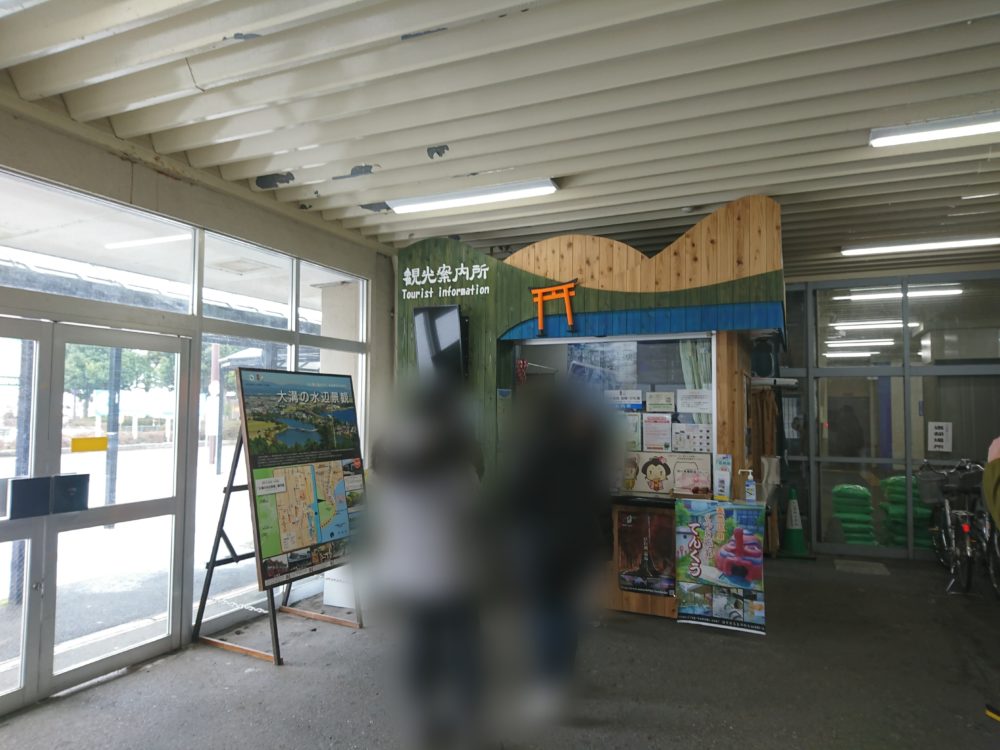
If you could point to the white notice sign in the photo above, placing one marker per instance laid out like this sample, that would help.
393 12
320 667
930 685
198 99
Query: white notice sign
660 401
625 399
270 485
656 432
694 402
939 436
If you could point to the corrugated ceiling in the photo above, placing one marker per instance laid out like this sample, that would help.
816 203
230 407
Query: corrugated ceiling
647 113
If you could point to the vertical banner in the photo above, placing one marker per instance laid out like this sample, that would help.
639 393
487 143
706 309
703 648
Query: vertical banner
646 551
720 564
306 477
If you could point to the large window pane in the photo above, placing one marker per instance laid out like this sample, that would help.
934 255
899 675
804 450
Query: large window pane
795 329
12 587
330 303
112 589
795 419
858 326
128 395
863 506
59 242
17 366
333 362
246 283
236 584
957 322
968 406
861 417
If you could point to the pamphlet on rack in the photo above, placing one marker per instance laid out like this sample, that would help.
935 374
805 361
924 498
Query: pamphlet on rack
632 431
720 564
722 475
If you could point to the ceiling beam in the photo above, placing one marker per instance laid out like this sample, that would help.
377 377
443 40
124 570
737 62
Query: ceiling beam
609 59
382 24
697 96
569 119
690 195
200 30
59 25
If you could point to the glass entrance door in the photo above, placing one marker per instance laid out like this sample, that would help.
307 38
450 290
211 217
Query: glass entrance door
25 348
97 579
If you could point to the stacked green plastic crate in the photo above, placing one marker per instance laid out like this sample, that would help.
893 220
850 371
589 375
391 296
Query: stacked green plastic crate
894 506
852 506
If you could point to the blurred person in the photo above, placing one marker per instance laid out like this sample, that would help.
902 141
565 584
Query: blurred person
991 481
427 474
556 484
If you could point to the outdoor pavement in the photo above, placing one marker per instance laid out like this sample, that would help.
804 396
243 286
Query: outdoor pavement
856 656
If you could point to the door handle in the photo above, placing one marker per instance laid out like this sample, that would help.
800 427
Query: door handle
39 586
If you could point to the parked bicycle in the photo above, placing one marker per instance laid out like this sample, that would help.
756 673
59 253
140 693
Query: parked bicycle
962 531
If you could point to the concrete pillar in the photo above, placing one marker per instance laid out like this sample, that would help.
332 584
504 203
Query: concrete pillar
341 310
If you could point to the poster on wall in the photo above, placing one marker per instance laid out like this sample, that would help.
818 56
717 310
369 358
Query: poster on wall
694 401
656 432
720 564
306 476
692 438
646 556
660 401
662 473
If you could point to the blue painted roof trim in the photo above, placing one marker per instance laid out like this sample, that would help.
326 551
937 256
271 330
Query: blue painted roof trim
741 316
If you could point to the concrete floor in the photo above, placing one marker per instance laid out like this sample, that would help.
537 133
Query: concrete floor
852 659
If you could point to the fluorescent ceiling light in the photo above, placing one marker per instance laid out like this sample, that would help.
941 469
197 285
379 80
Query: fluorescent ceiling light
846 355
165 239
936 130
866 325
921 246
475 197
861 342
981 195
954 292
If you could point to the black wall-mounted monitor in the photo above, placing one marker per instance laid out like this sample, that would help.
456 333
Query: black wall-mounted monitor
442 341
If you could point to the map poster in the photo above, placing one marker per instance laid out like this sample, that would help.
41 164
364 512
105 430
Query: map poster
306 477
720 564
646 551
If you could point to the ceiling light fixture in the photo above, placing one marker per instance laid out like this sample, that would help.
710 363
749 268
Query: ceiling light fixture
868 325
935 130
474 197
845 355
899 295
981 195
861 342
164 240
916 247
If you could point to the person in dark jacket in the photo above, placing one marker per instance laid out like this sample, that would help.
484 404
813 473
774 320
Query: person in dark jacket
557 485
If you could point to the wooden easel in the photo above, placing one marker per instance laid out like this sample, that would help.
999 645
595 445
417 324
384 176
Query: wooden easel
272 611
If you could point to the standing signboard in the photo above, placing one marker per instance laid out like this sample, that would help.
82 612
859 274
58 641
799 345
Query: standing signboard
304 470
720 564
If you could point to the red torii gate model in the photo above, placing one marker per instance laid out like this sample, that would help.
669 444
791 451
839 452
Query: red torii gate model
541 295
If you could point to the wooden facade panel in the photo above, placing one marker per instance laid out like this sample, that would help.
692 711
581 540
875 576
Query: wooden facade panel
740 238
758 237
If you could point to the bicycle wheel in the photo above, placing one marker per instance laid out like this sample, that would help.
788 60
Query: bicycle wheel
993 561
940 540
962 562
